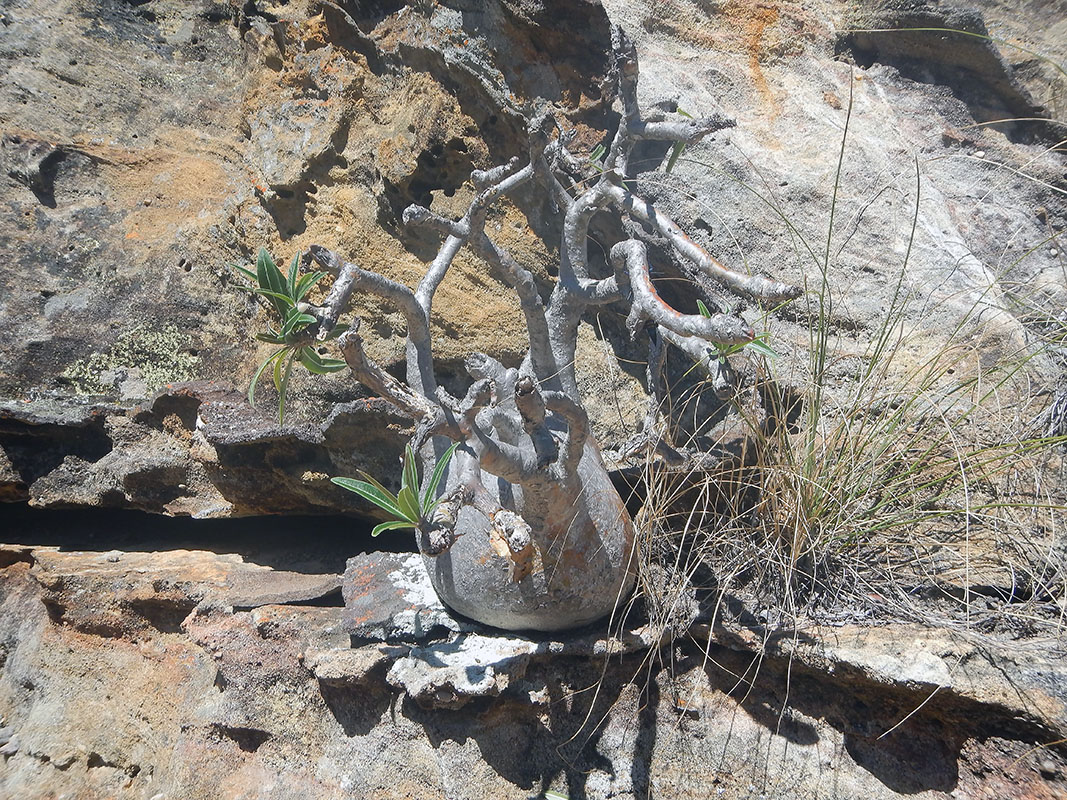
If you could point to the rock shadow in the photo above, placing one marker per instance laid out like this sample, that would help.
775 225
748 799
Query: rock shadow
920 756
358 709
542 727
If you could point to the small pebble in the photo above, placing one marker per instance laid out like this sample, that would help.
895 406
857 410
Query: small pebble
1053 252
979 154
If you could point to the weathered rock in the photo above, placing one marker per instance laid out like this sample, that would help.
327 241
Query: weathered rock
388 596
273 702
320 123
135 590
195 449
147 145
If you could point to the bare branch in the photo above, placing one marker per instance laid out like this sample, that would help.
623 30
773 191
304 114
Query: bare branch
689 131
521 280
631 265
708 360
430 415
422 216
420 360
531 406
758 288
570 449
510 462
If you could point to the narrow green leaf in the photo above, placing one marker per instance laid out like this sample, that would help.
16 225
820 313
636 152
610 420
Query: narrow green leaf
728 349
276 297
306 282
318 365
278 374
246 272
374 482
270 277
259 373
284 388
675 153
685 114
294 320
294 269
435 478
336 331
410 477
703 309
375 494
391 525
270 338
409 505
598 153
760 347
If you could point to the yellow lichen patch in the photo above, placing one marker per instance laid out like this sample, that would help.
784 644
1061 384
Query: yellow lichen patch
159 357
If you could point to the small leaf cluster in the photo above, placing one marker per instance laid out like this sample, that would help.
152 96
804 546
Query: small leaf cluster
285 294
407 508
758 345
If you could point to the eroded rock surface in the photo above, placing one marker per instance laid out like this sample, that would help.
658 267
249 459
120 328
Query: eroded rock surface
190 674
147 146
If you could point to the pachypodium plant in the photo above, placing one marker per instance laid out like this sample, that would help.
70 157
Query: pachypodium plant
529 531
285 294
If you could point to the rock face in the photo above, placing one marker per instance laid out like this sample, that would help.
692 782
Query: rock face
195 675
147 146
144 146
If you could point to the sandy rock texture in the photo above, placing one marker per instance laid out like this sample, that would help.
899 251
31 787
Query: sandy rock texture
186 674
145 145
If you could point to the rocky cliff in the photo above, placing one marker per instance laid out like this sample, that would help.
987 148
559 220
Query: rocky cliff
146 146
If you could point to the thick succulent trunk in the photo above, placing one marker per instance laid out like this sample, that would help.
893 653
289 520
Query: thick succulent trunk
576 567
